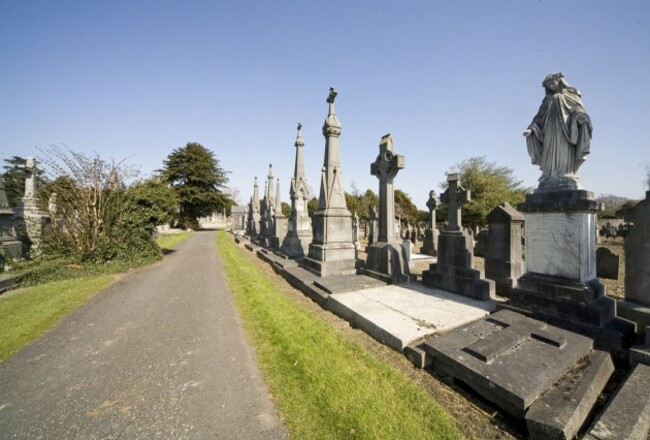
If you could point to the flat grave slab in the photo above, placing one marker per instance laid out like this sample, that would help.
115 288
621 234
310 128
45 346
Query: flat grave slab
398 315
507 358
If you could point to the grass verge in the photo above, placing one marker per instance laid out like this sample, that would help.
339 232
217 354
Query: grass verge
169 241
30 312
325 386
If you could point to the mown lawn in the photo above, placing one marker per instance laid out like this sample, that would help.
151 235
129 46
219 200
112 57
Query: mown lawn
325 386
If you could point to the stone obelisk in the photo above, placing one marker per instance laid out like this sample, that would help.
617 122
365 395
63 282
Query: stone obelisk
332 250
299 234
254 213
279 221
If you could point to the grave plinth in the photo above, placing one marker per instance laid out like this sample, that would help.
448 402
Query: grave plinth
560 280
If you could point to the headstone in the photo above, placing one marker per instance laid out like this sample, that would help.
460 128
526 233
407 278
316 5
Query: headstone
355 231
636 306
29 219
453 271
279 221
238 215
268 211
430 244
10 245
332 251
607 263
299 234
504 263
481 243
373 228
387 258
560 282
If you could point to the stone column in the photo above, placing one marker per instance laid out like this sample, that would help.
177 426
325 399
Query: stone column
430 244
29 218
254 213
387 259
332 251
279 221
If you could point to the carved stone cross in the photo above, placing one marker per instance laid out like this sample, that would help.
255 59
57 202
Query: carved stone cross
432 204
385 168
455 195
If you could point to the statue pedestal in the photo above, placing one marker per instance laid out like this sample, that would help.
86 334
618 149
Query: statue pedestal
332 252
560 282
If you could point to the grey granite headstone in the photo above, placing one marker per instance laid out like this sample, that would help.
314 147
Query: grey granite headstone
636 306
387 258
504 263
332 251
299 233
607 263
453 271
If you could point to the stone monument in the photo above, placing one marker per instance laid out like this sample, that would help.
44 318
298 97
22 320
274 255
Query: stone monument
268 206
332 251
387 259
10 245
504 263
29 218
279 221
453 271
254 213
299 234
560 281
636 306
430 243
373 231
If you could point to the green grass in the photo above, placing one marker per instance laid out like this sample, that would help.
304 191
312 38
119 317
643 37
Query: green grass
324 385
28 313
169 241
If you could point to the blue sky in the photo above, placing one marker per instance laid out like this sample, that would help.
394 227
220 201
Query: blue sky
449 80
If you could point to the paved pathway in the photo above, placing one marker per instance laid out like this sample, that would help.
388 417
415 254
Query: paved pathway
160 354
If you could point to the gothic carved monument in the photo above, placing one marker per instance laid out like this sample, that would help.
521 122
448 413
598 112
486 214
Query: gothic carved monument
387 259
332 251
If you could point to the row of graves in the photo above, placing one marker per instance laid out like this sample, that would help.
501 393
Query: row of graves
555 352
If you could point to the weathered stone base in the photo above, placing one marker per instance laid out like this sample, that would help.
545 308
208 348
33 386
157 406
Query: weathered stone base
564 298
296 245
507 358
331 259
560 413
636 313
387 262
627 416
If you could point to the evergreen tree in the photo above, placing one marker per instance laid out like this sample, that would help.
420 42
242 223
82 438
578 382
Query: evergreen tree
199 181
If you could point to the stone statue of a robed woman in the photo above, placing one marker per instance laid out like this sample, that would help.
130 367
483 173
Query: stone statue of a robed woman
559 137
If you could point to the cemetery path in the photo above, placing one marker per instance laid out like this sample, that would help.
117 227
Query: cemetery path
159 354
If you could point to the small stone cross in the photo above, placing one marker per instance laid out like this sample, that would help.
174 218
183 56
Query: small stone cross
455 196
385 168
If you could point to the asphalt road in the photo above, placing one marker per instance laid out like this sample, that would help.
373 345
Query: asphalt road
160 354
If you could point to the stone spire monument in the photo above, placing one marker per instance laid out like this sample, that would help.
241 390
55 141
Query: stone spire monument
299 234
387 259
29 218
268 206
254 213
332 250
279 221
560 280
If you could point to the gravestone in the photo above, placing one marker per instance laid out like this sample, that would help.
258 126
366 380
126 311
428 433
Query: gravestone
299 234
504 263
481 243
29 219
279 221
430 243
238 218
268 211
373 230
387 259
560 282
10 245
636 306
355 231
332 251
453 271
607 263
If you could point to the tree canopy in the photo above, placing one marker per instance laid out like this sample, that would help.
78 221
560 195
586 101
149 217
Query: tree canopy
199 182
490 184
